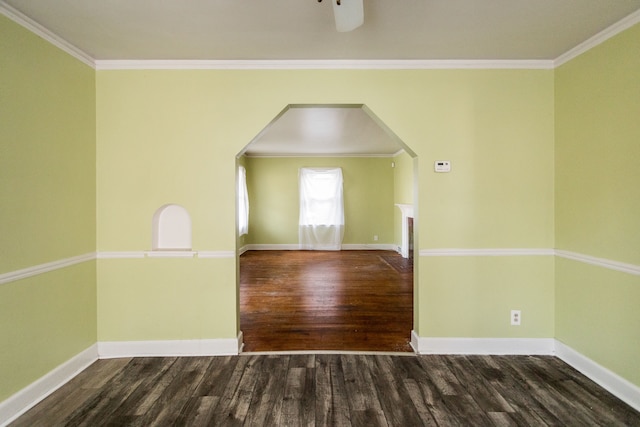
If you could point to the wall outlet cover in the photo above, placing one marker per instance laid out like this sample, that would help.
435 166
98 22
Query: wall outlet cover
516 317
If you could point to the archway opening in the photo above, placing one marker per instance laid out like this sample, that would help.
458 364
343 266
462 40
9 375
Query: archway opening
296 296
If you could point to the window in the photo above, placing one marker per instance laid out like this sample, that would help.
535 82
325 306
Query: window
243 202
321 209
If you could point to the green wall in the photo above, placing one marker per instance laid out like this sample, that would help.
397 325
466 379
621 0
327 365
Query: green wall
598 202
403 189
45 320
472 296
540 159
166 299
47 188
274 198
172 136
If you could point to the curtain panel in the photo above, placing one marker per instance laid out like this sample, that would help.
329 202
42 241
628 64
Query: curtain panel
321 225
243 202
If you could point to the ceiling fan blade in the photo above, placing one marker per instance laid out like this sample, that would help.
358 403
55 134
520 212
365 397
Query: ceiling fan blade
349 14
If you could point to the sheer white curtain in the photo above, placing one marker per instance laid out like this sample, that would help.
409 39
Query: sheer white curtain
243 202
321 209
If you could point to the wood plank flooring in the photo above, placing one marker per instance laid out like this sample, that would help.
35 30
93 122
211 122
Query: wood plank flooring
331 390
316 300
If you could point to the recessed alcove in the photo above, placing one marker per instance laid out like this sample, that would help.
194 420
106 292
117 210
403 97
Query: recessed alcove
171 229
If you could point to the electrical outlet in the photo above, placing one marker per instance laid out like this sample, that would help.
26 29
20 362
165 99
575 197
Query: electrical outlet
375 238
516 317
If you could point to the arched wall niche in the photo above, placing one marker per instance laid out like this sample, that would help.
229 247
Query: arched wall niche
171 229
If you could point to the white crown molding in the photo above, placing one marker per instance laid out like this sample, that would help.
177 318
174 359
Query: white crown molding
600 262
338 64
604 35
320 155
496 346
610 381
31 25
45 268
344 64
28 397
170 348
487 252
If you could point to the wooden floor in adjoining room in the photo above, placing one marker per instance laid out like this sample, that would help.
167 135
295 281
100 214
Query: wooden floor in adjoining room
326 300
331 390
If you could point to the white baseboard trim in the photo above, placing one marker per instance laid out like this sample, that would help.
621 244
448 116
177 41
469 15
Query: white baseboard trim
270 247
415 342
497 346
610 381
370 246
28 397
207 347
296 247
240 342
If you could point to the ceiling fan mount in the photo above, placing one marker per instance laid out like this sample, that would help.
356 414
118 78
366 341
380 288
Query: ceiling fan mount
349 14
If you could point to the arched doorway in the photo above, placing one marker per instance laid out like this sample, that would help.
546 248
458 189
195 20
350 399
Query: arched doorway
380 183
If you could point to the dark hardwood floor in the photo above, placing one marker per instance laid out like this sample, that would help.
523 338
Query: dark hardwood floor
329 301
317 300
331 390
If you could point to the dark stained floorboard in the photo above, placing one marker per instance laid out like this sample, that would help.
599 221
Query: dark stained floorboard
326 300
331 390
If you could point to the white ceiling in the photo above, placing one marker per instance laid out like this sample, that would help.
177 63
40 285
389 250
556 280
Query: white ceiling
273 30
324 131
305 29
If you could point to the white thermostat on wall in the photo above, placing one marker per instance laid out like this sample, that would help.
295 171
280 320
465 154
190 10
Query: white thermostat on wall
442 166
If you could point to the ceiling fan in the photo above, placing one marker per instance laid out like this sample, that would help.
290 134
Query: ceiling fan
349 14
